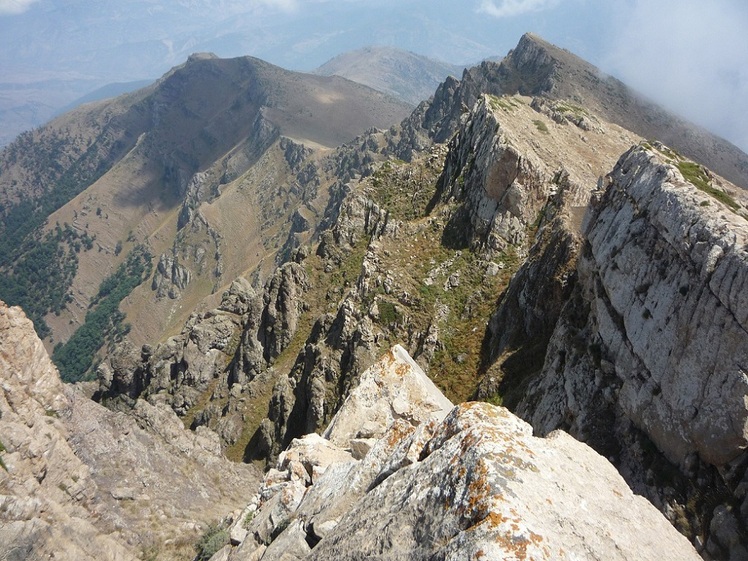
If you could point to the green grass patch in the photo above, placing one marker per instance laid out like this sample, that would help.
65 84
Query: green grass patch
567 107
696 175
503 103
214 538
405 190
454 368
388 313
541 126
468 306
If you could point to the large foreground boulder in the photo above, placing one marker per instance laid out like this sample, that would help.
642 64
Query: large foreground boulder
472 485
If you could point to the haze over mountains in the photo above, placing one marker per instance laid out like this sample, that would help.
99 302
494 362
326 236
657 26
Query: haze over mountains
407 76
237 244
52 54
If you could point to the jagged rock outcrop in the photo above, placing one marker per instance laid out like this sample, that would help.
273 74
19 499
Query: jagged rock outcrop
217 356
647 358
539 69
509 181
81 482
502 189
361 217
475 484
339 348
284 304
519 330
185 365
170 277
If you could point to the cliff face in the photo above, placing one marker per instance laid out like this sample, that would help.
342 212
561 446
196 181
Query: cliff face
82 482
44 483
650 313
647 355
401 474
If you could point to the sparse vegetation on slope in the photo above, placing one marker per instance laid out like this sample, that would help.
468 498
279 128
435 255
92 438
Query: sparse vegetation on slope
695 174
504 103
104 321
41 172
37 272
214 538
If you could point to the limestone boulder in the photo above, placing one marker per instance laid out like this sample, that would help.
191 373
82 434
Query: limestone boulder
394 388
474 484
81 482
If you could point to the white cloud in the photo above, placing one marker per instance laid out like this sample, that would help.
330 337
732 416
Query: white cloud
282 5
13 7
510 8
689 55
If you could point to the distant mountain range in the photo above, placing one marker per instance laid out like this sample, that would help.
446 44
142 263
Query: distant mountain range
53 55
105 92
405 75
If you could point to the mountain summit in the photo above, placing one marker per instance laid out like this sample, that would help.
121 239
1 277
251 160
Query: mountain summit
541 68
134 170
538 68
405 75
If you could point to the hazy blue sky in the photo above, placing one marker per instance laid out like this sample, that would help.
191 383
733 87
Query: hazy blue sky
690 55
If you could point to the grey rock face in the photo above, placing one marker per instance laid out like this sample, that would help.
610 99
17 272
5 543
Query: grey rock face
170 277
502 189
475 484
680 382
220 351
284 303
340 347
45 483
653 339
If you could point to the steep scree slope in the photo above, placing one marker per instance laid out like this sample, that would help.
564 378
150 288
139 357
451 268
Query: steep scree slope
81 482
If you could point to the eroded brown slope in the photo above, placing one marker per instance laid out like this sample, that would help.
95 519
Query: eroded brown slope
143 165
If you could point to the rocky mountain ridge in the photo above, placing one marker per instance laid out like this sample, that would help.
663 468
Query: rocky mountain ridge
479 237
488 185
173 167
663 339
537 68
380 301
